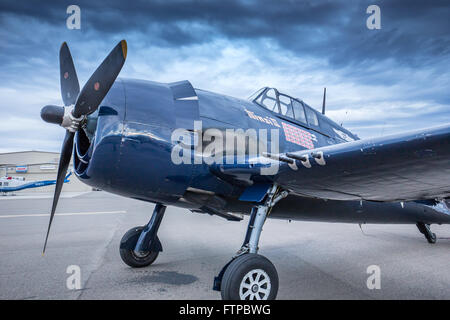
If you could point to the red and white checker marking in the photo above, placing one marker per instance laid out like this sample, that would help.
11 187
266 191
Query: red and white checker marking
298 136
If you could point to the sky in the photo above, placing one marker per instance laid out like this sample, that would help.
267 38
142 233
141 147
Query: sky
378 81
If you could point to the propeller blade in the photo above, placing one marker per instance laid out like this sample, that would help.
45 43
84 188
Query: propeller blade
70 88
64 160
98 85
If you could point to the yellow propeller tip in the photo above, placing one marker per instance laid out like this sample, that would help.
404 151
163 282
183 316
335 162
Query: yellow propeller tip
124 48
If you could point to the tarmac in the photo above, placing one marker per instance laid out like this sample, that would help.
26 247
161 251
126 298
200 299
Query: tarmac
314 260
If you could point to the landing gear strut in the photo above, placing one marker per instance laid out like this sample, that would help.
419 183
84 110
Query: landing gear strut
425 230
250 276
140 246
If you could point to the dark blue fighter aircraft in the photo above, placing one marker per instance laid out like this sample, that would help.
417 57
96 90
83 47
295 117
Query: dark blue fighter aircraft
294 163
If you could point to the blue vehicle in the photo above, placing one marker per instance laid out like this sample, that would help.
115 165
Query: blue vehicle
12 184
271 156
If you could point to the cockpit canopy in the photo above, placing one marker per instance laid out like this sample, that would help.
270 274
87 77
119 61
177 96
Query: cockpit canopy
297 111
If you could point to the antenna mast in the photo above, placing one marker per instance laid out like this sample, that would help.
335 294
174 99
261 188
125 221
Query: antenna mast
324 98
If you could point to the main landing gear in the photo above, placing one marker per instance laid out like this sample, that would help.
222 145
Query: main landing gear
425 230
250 276
140 246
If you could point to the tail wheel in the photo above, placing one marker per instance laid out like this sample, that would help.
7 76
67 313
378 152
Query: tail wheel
137 259
250 277
425 230
431 238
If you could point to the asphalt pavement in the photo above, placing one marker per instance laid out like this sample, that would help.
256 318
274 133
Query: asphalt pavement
314 260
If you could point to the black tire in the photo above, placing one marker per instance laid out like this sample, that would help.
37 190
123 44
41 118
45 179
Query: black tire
131 258
241 270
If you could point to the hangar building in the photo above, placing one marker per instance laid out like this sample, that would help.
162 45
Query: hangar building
37 166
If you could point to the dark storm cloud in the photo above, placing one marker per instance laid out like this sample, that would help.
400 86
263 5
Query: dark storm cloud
413 32
379 81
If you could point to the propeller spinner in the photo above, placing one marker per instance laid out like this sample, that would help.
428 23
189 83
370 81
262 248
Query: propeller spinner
79 104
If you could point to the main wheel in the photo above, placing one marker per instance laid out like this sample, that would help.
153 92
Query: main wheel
136 259
250 277
425 230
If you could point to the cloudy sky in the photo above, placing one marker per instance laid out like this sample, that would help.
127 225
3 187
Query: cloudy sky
378 81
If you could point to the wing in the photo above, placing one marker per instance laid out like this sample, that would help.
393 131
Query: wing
402 167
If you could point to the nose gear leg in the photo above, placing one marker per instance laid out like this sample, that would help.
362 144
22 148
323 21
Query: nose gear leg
257 219
146 241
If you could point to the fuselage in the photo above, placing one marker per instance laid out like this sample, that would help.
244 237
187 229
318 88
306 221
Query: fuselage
130 151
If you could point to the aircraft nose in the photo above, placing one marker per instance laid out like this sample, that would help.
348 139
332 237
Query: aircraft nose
97 146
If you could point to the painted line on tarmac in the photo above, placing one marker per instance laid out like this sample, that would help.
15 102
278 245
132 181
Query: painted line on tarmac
44 195
61 214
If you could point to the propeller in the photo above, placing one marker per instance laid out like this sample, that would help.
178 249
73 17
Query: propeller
78 105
